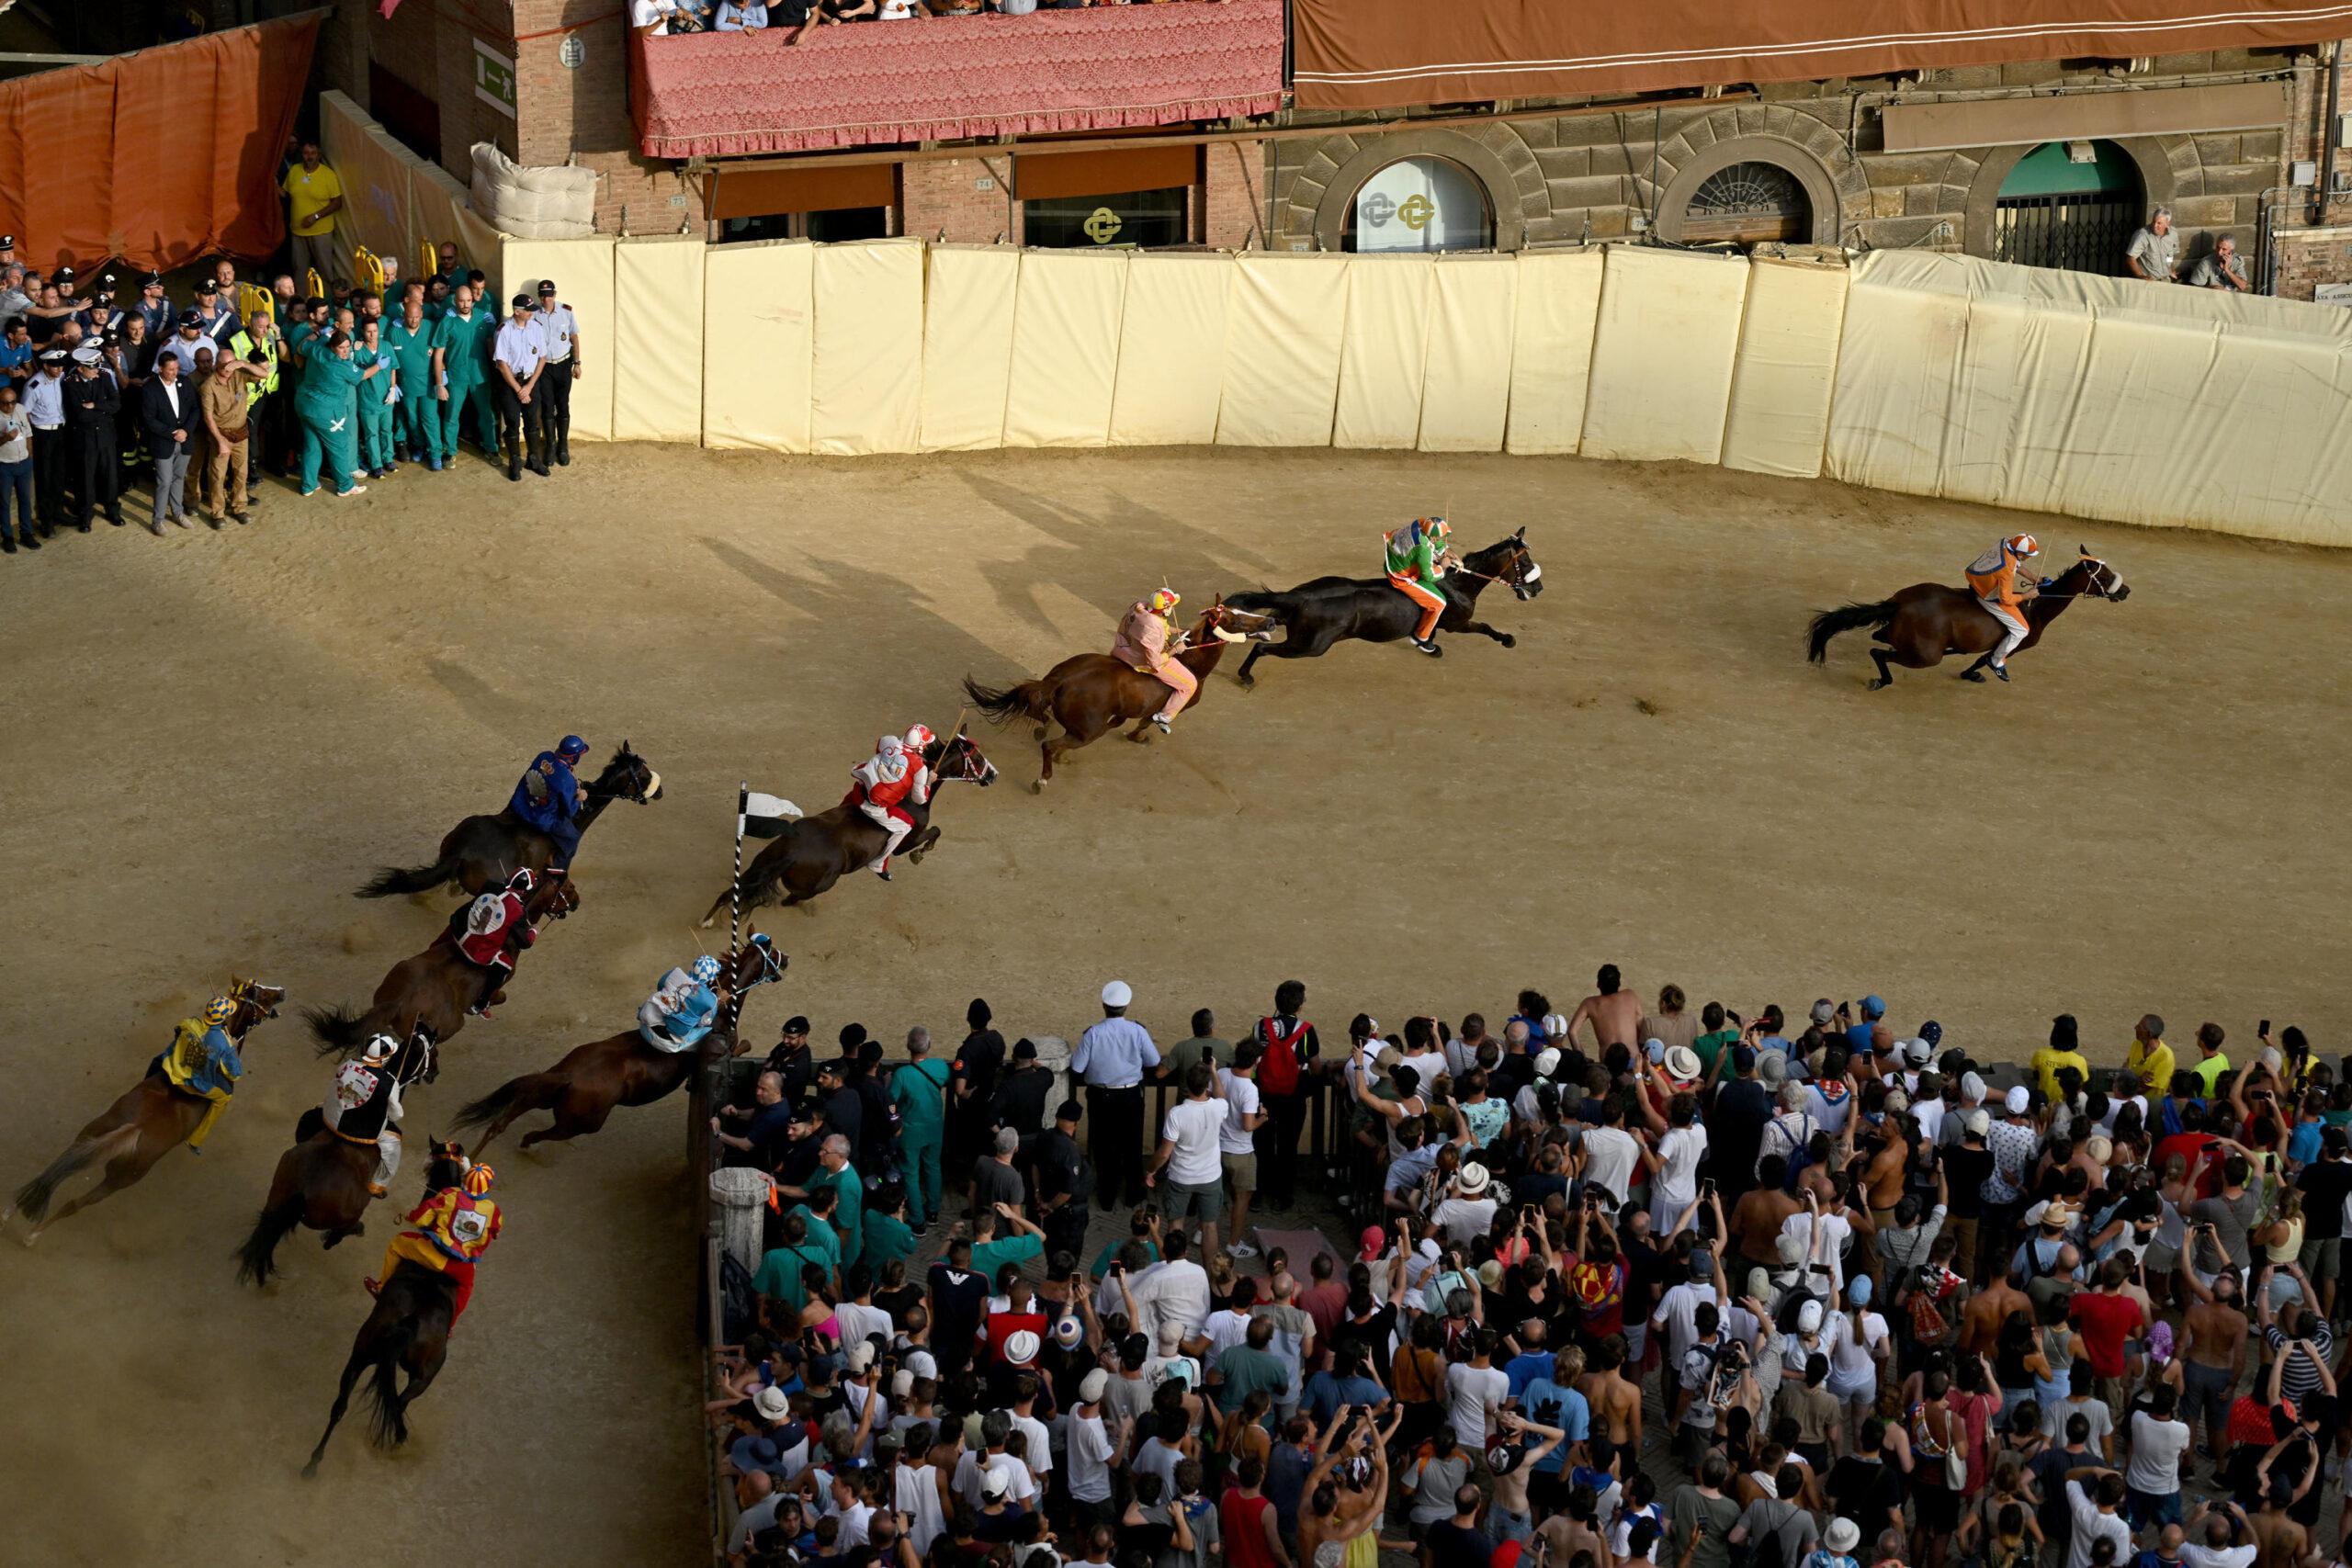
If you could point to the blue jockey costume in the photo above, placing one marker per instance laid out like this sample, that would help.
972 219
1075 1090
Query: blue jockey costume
682 1008
548 797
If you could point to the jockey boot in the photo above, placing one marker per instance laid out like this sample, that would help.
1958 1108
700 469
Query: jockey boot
1429 645
1165 727
2001 673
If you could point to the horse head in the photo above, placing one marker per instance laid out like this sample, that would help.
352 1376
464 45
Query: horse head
958 759
760 963
1227 623
419 1059
1510 563
256 1002
2100 581
626 777
550 895
446 1165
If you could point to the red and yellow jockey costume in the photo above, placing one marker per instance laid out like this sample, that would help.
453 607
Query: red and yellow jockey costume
455 1227
1993 577
1148 641
894 775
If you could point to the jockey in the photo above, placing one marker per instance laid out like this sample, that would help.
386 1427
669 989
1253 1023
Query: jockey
894 775
682 1008
549 797
364 1102
1993 578
489 927
1416 556
455 1227
203 1061
1150 640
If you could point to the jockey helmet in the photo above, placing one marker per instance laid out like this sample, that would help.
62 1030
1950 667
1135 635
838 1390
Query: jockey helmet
706 969
919 736
1435 527
219 1010
572 748
1164 600
478 1179
379 1048
522 881
2025 547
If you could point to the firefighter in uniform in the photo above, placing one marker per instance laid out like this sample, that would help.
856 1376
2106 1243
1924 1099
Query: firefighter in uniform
560 328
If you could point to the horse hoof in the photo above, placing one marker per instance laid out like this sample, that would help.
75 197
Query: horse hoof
1881 685
1507 640
1974 676
1038 787
310 1471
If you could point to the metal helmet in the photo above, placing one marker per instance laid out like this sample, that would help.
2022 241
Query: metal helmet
219 1010
706 969
919 736
1164 600
478 1179
2025 547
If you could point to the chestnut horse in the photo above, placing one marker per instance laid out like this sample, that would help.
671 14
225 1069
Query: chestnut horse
1091 695
147 1122
1327 610
813 852
1928 620
584 1088
435 988
483 852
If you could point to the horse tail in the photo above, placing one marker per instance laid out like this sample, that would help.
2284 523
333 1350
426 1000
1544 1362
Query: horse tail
1280 605
1026 700
33 1197
1851 618
337 1028
391 879
257 1258
518 1095
387 1410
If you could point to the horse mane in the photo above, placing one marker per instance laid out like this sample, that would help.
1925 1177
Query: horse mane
1499 550
617 765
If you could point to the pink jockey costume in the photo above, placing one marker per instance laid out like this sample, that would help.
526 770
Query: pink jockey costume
488 923
1148 642
894 775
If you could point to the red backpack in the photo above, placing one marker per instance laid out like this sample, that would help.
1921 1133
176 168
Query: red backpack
1278 1073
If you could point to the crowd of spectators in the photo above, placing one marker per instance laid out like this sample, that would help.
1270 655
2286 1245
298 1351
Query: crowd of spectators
1634 1284
659 19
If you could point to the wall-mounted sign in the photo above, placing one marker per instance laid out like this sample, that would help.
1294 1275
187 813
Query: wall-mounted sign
493 79
573 52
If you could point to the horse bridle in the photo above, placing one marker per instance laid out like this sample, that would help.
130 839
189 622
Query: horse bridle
771 964
635 795
964 759
2098 589
1520 561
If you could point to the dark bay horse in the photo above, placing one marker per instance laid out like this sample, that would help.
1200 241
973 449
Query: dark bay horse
585 1087
321 1182
1333 609
813 852
408 1331
435 987
1091 695
483 852
149 1120
1927 621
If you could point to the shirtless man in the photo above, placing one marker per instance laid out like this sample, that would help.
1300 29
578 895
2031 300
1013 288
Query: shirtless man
2279 1541
1509 1495
1882 1178
1980 1321
2215 1357
1614 1012
1569 1531
1615 1403
1755 1219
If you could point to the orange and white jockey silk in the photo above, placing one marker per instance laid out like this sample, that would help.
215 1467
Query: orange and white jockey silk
1993 577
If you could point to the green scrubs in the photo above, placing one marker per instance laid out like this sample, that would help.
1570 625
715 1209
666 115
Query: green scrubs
326 403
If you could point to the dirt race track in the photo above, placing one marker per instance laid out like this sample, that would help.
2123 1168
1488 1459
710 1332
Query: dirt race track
213 738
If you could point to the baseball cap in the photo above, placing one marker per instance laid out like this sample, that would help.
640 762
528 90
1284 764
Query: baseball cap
2018 1099
1743 1058
1091 1386
1975 1123
1824 1010
1809 1318
861 1358
1117 993
524 302
1371 1243
1873 1006
1547 1061
547 287
994 1483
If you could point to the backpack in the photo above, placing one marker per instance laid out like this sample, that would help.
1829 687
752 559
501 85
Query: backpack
1764 1550
1929 1328
1800 1153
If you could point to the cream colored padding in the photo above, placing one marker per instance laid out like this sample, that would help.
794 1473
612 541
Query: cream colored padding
1551 362
2058 286
583 270
1382 351
867 391
1778 419
1282 350
759 346
377 209
2015 383
657 340
1066 348
967 345
1662 355
1171 350
1898 362
1465 382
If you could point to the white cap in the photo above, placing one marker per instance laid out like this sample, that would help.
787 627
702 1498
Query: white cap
1022 1348
1555 1026
994 1483
1809 1318
1972 1087
1547 1061
2018 1099
902 1384
1117 994
1975 1123
861 1358
1091 1386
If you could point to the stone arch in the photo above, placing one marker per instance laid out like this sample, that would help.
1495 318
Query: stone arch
1764 147
1505 199
2158 184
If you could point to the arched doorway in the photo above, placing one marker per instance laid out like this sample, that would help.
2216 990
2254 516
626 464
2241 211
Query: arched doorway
1747 203
1419 204
2069 204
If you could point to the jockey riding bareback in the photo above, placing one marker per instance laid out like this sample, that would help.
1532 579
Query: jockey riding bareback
485 928
1993 577
455 1227
203 1061
364 1103
894 775
1149 640
1416 556
679 1012
549 798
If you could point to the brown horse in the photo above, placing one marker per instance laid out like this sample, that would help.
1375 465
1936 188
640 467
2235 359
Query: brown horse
813 852
1091 695
625 1069
435 988
1927 621
150 1121
321 1183
483 852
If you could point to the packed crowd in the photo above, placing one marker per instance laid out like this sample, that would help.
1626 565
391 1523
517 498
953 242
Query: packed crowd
659 19
1868 1301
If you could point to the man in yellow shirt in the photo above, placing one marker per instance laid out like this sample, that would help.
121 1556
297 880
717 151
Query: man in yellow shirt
315 196
2212 1061
2150 1057
2060 1053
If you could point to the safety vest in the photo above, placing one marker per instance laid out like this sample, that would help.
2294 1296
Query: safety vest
241 344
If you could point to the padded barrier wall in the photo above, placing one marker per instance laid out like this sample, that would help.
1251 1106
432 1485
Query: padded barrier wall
1925 374
583 271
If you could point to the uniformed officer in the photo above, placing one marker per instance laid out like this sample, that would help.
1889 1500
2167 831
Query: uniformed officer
45 406
215 313
101 315
519 360
409 340
561 329
92 405
1113 1059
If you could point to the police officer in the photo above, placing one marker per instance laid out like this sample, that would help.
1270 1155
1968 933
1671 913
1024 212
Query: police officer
45 406
519 360
93 404
561 329
215 313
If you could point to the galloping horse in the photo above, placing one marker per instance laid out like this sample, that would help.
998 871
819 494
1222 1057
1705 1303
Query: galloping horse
435 987
483 852
408 1331
322 1182
584 1088
147 1122
1333 609
813 852
1928 620
1089 694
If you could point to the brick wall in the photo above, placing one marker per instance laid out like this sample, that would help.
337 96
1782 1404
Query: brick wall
579 115
940 195
1234 195
2309 257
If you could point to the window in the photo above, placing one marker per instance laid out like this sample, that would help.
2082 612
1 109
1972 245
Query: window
2073 205
1747 204
1419 204
847 223
1132 219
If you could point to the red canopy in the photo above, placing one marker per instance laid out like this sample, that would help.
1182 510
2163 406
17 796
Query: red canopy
942 78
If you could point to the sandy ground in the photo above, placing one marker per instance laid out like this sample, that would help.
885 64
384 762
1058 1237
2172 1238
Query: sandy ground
213 738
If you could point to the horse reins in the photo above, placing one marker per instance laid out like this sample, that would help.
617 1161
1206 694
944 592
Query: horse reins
1516 554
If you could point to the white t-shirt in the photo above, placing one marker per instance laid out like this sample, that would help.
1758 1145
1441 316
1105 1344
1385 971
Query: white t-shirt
1240 1099
1226 1329
1610 1154
2201 1556
974 1461
1463 1219
1836 1231
653 13
1679 1154
1474 1394
1089 1458
1678 1314
1040 1453
1197 1128
2157 1448
1175 1291
1853 1358
2090 1525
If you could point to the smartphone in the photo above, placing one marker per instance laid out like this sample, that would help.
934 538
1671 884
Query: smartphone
2263 1033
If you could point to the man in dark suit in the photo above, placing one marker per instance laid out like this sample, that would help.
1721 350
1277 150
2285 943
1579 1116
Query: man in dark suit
91 405
173 414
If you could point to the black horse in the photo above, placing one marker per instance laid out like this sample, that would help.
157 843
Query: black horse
1333 609
483 852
